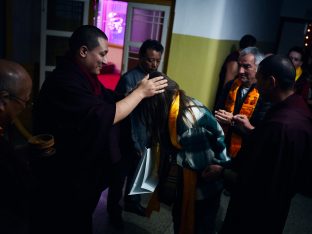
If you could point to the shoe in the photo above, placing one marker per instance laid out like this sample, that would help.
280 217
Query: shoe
135 208
116 221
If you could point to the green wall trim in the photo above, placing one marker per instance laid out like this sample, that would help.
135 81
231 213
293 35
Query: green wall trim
195 62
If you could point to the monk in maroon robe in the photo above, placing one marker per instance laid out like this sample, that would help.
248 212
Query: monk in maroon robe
275 163
83 116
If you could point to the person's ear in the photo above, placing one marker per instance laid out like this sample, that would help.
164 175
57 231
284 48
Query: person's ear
273 81
83 51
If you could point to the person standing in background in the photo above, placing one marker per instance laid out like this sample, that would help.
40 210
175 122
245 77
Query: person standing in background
149 59
229 69
241 96
302 86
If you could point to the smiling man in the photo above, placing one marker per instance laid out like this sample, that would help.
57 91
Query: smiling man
83 116
241 97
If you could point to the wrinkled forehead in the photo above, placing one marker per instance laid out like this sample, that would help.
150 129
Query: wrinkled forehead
246 59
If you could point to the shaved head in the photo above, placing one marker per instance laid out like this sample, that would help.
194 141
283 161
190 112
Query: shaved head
13 77
281 68
15 90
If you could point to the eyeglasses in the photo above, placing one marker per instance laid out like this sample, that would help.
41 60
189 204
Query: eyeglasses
12 96
24 102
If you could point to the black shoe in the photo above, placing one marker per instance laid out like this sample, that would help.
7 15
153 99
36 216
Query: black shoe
135 208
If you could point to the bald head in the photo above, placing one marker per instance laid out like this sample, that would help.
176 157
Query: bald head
13 77
281 68
15 90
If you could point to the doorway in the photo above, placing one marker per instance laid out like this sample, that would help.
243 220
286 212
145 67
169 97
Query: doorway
127 25
293 32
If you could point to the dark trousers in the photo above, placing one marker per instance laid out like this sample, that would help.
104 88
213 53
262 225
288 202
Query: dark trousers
116 182
60 204
63 211
126 168
133 164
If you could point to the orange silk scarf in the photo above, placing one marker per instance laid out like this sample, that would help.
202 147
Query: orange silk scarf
187 222
247 109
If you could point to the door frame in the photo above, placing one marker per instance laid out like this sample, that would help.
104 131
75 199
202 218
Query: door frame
128 43
45 32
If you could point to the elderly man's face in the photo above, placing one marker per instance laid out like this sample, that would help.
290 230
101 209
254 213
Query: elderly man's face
247 69
13 104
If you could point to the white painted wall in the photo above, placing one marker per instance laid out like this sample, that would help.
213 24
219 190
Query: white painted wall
227 19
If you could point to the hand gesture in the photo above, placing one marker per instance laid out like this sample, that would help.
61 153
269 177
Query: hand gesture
150 87
242 122
224 117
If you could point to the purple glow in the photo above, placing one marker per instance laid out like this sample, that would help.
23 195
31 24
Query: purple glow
112 20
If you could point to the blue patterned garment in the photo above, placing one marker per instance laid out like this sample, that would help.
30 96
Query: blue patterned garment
202 141
201 138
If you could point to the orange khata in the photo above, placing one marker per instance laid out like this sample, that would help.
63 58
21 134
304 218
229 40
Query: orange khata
247 109
189 179
298 72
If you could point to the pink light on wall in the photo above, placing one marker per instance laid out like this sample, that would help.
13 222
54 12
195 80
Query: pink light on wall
112 20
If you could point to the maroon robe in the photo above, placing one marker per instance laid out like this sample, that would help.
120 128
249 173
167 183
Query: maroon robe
75 108
272 166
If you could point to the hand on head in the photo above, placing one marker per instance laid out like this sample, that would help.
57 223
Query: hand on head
150 87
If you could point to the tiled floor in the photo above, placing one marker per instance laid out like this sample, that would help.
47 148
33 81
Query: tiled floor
300 216
299 220
159 222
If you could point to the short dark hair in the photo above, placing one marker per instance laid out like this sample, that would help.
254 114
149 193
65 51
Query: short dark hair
281 68
247 41
297 49
85 35
150 44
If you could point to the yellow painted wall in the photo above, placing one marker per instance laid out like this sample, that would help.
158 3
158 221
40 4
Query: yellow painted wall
195 62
